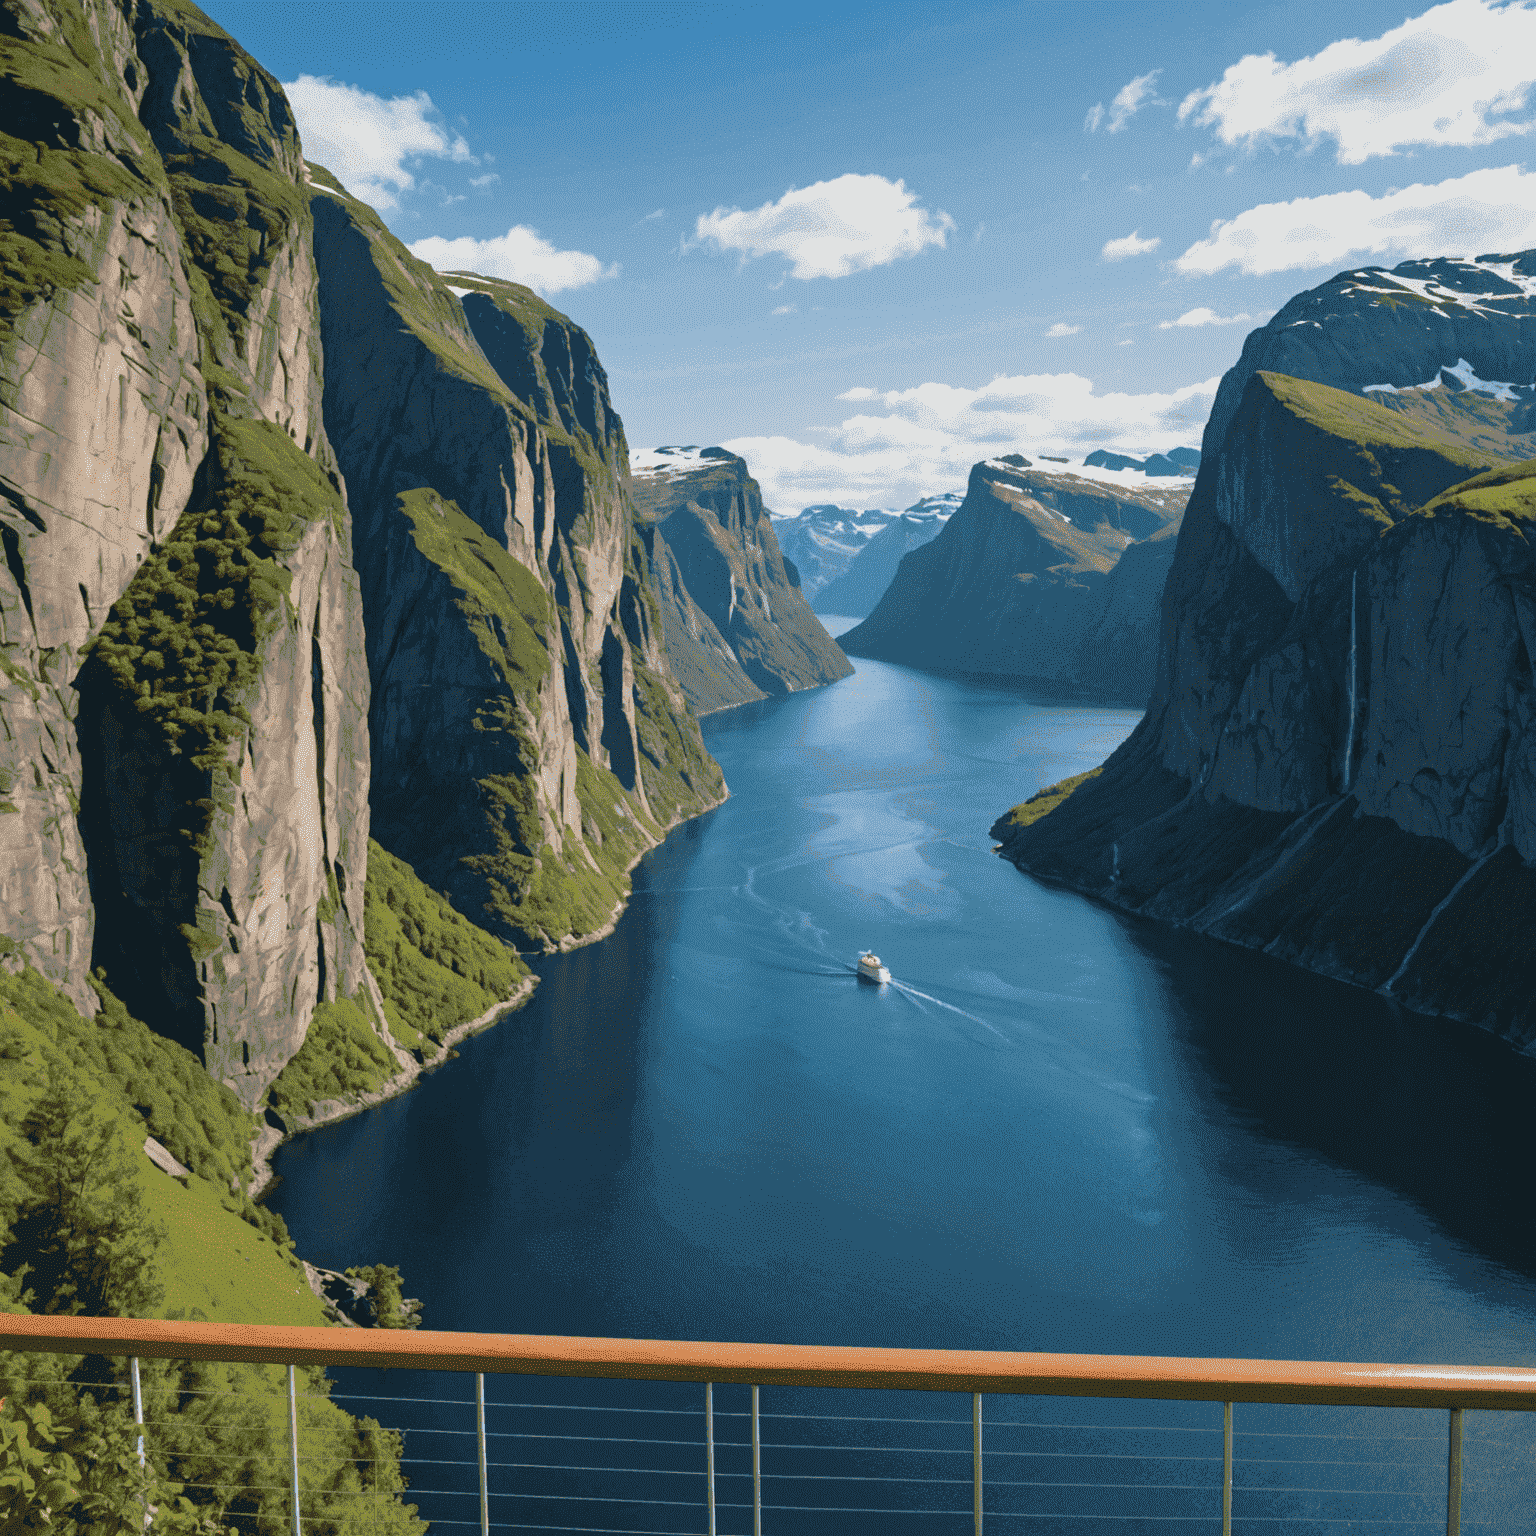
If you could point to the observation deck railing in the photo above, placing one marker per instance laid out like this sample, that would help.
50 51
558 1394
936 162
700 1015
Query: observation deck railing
977 1373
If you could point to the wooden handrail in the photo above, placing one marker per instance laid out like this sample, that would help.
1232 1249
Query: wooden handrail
803 1365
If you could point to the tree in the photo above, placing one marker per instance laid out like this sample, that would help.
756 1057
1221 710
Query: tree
80 1241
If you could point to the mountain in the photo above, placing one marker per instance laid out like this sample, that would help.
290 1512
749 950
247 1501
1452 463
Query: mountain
1017 581
1335 764
302 548
823 540
1177 461
862 585
734 623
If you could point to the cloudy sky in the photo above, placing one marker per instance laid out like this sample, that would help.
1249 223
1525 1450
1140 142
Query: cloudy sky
866 245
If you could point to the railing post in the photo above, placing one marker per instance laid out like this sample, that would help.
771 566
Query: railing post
709 1448
1226 1469
1453 1478
485 1491
976 1458
757 1472
293 1449
138 1419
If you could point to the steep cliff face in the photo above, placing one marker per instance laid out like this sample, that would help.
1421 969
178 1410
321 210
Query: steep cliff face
1333 764
177 562
873 568
1016 581
528 741
735 624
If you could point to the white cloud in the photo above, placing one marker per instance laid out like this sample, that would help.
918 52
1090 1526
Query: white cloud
1488 210
1130 341
1197 317
786 309
658 213
522 255
365 140
489 179
1129 100
1449 77
830 229
1061 328
1130 245
921 441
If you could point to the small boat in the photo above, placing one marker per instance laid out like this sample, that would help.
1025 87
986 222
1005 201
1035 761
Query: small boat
871 970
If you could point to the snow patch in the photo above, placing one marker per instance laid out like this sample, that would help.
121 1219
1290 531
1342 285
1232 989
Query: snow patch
1463 375
661 461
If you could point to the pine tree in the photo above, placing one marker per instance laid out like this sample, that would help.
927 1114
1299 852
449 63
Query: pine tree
80 1240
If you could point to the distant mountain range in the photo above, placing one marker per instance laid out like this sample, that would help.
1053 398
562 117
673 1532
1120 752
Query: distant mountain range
823 541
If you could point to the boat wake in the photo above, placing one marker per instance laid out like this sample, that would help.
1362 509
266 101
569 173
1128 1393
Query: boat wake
917 999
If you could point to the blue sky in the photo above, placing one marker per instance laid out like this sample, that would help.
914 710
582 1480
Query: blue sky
867 245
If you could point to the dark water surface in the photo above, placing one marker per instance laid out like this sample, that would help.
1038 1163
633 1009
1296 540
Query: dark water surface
1059 1130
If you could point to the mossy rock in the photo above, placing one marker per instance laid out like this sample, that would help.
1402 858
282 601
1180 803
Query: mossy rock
1044 801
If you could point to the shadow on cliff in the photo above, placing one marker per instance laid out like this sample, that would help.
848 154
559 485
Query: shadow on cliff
1435 1110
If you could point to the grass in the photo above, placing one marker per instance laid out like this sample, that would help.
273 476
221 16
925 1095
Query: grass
1410 423
500 598
1505 498
342 1057
435 968
216 1266
1044 801
47 181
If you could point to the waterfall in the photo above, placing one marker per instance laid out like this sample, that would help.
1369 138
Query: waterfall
1349 736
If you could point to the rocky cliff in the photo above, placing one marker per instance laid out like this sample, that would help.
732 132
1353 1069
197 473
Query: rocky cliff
735 624
1017 581
183 750
528 741
1333 766
873 568
200 634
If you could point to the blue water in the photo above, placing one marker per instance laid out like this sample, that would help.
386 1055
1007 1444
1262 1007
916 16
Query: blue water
1058 1129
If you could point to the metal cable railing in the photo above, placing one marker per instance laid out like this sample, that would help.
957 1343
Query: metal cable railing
631 1469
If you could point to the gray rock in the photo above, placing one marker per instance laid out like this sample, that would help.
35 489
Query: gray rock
1016 583
735 625
1335 765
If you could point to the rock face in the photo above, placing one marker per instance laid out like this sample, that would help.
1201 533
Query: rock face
185 674
873 568
1017 583
735 624
528 741
178 566
1333 766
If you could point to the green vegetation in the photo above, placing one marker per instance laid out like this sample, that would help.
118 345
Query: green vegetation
342 1057
181 645
500 598
386 1297
88 1224
48 183
1506 498
421 298
1044 801
1446 427
434 967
